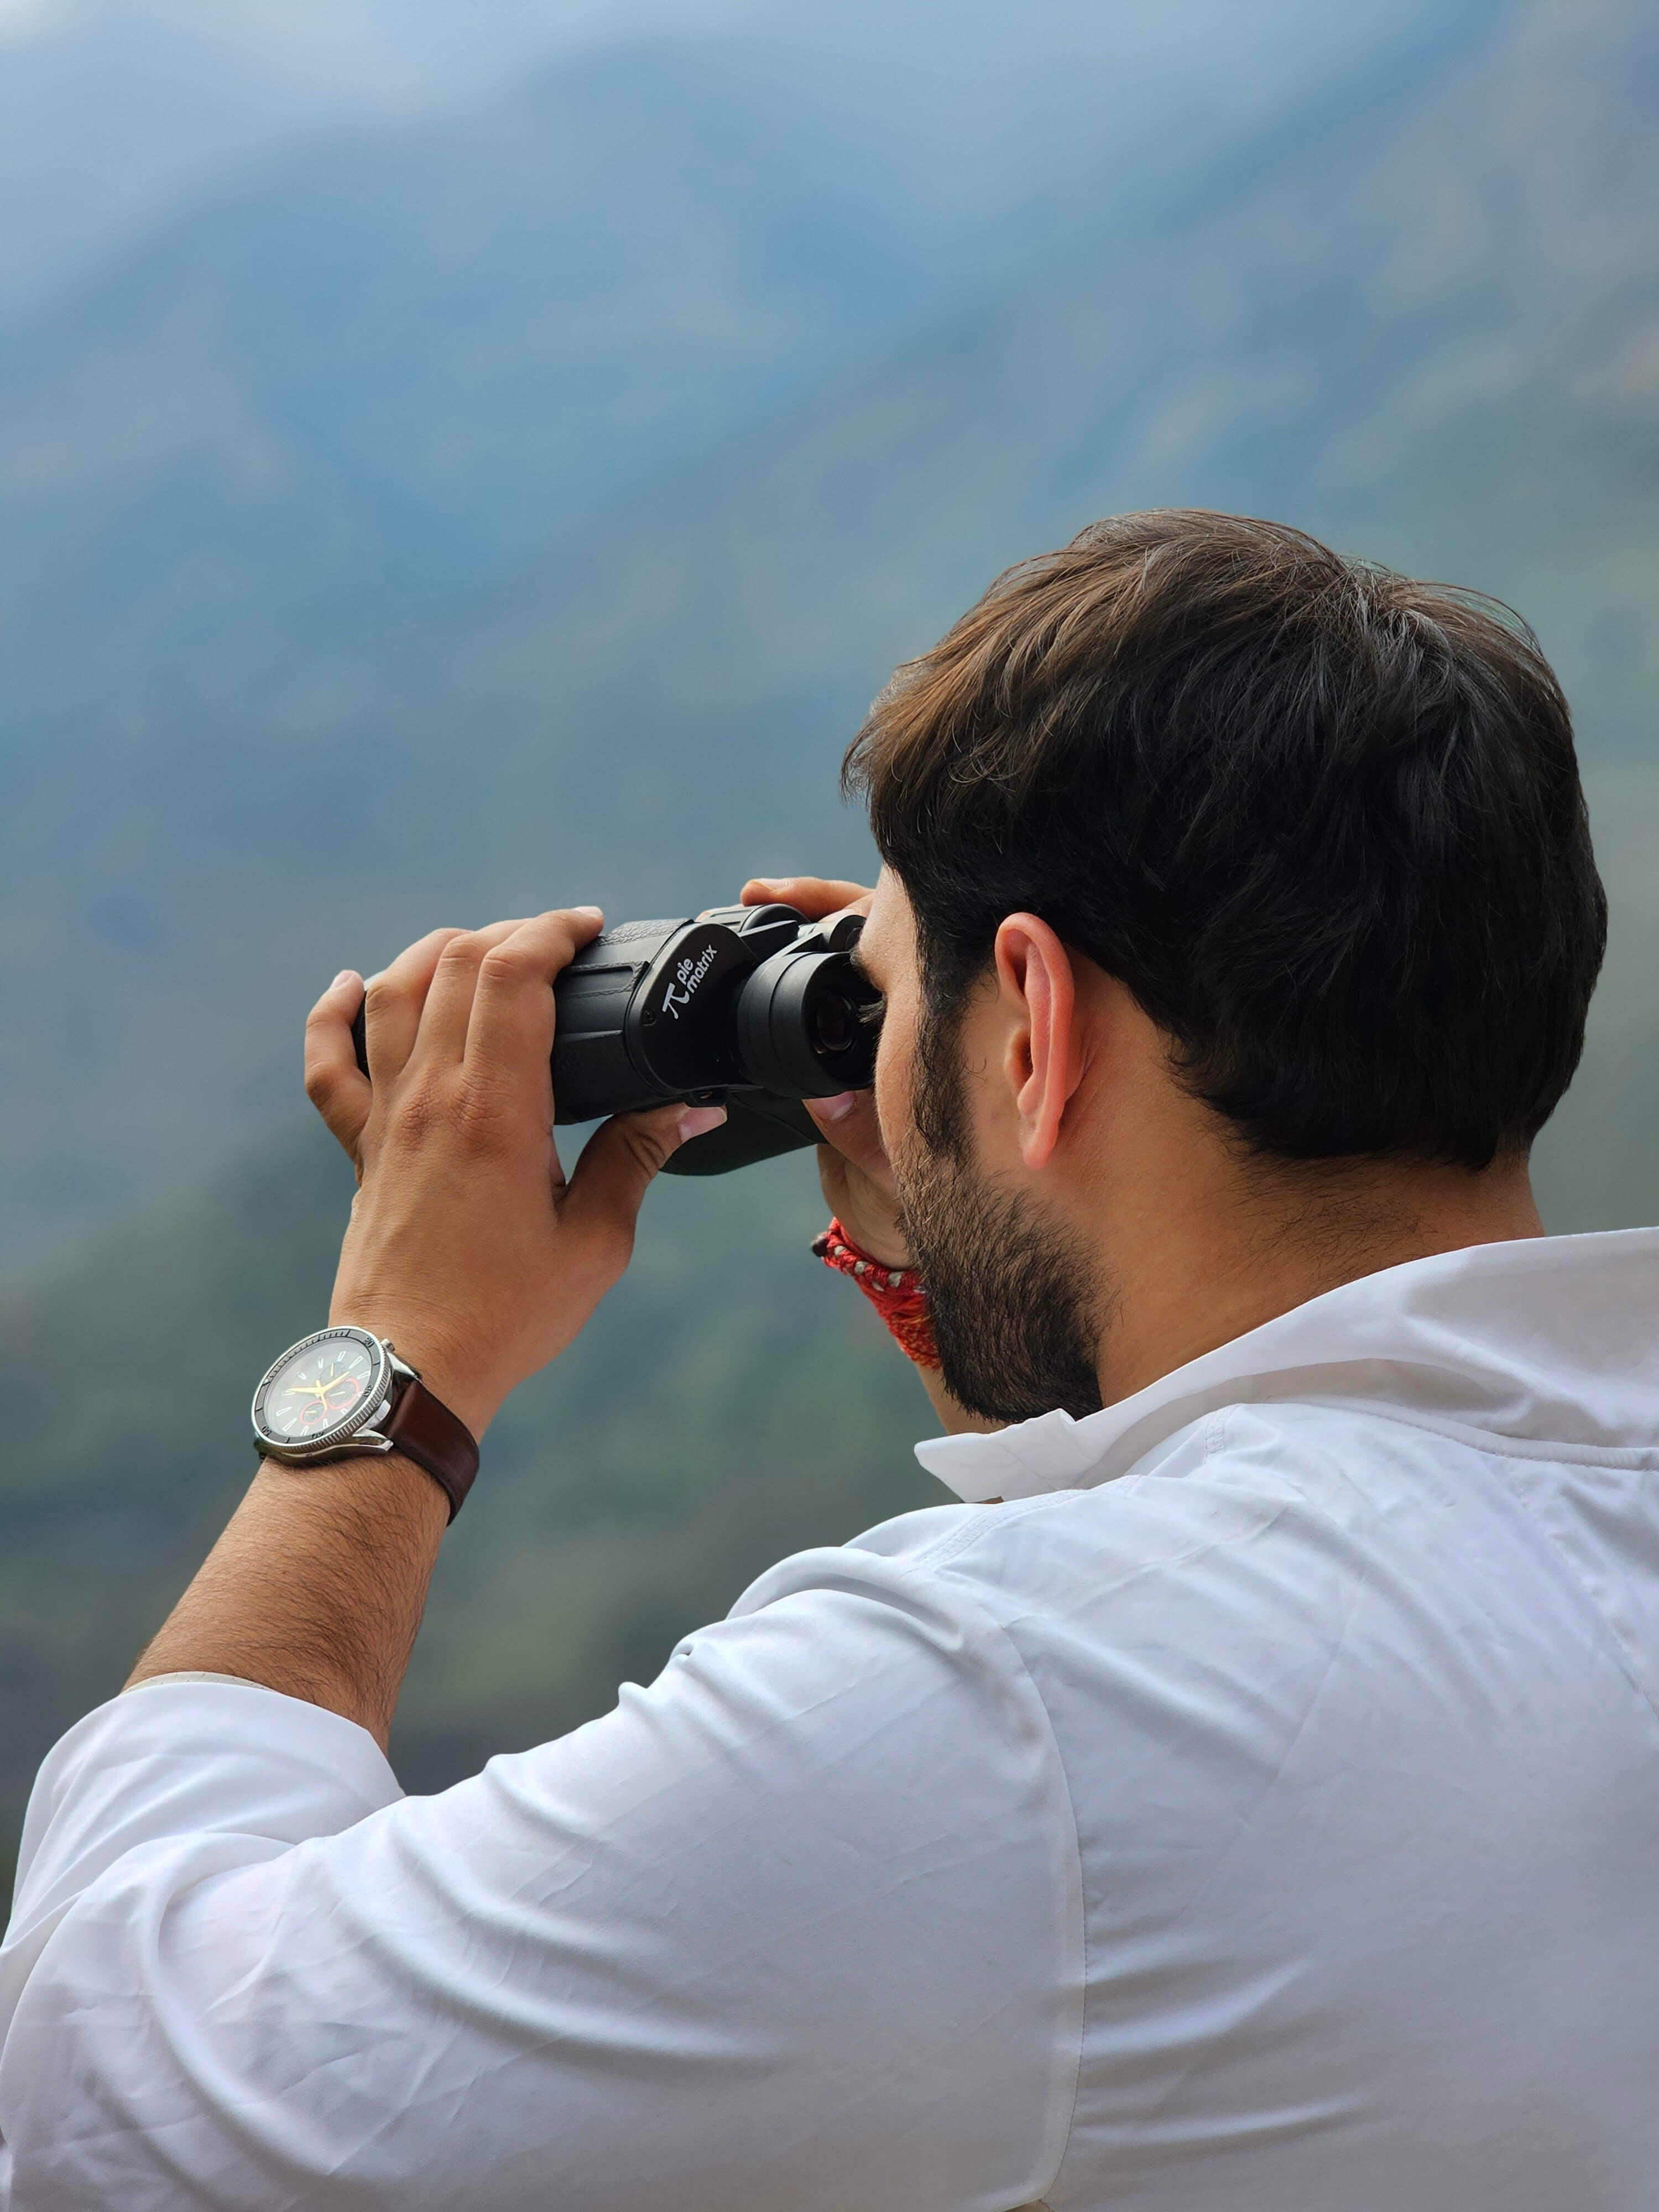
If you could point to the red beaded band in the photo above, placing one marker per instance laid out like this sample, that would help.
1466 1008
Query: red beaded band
897 1293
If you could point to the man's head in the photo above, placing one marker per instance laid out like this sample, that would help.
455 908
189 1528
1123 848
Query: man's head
1299 841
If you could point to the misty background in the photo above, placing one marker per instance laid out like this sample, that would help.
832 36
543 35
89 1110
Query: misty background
454 461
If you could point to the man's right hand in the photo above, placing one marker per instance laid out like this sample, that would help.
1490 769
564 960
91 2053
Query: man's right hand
852 1164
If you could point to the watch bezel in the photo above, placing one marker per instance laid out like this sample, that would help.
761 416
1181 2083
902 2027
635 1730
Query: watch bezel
355 1430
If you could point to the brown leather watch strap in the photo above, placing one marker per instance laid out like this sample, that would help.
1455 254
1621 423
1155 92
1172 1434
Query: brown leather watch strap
424 1430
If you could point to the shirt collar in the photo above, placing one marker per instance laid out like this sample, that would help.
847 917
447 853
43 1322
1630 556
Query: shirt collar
1547 1338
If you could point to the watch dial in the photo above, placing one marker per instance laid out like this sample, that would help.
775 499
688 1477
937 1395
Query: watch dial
316 1389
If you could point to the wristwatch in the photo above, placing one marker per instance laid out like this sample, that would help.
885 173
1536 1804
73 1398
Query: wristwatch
341 1391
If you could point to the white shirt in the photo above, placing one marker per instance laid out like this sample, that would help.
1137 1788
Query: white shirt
1260 1810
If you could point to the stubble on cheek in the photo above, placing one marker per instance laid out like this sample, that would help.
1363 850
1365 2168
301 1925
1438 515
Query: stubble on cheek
1017 1314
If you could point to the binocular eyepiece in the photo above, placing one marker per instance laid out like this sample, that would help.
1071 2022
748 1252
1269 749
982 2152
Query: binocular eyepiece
751 1007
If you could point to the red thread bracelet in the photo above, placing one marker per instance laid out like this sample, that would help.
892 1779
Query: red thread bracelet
897 1293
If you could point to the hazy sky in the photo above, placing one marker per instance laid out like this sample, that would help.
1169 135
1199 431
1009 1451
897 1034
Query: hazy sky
110 110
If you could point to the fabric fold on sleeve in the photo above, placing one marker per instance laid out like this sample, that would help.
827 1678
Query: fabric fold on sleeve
797 1924
188 1757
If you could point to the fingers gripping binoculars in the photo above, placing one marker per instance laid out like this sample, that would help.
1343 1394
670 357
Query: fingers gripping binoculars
751 1007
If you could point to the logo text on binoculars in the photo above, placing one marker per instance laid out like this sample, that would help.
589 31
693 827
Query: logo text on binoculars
687 976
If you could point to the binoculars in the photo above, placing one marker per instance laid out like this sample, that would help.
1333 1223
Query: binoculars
750 1007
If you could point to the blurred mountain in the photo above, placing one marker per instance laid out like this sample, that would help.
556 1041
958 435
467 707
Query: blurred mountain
399 361
267 484
112 111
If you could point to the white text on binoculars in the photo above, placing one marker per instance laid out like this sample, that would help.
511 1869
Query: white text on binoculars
688 975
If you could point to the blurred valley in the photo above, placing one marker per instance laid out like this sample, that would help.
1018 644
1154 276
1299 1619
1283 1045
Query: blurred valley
523 505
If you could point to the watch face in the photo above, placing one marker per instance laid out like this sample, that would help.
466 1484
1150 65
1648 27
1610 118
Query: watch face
316 1388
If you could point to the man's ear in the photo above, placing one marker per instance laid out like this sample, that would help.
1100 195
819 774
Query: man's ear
1043 1061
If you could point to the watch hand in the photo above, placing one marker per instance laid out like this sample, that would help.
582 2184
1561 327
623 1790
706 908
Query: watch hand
311 1389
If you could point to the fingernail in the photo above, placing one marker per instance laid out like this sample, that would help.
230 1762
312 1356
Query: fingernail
838 1107
597 912
345 975
698 1121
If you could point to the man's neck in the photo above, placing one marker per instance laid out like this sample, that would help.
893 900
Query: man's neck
1235 1243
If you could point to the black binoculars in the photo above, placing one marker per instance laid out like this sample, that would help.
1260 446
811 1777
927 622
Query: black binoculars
750 1007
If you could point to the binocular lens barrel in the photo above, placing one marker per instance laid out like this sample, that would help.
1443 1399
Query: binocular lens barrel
753 1005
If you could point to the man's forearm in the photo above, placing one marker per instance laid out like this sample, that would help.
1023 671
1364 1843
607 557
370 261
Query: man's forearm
316 1588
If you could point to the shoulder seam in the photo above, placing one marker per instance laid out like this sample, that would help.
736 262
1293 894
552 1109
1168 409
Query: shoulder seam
944 1549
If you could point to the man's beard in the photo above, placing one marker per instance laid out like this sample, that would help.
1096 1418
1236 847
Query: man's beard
1017 1312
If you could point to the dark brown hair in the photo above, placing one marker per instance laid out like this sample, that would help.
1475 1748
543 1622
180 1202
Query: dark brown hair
1325 822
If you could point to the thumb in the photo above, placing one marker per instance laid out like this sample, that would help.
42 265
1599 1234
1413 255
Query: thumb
619 1161
847 1123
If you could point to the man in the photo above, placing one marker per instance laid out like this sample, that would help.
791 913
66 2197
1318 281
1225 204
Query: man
1249 1797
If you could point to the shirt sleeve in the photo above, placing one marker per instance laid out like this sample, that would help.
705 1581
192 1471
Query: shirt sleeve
798 1925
